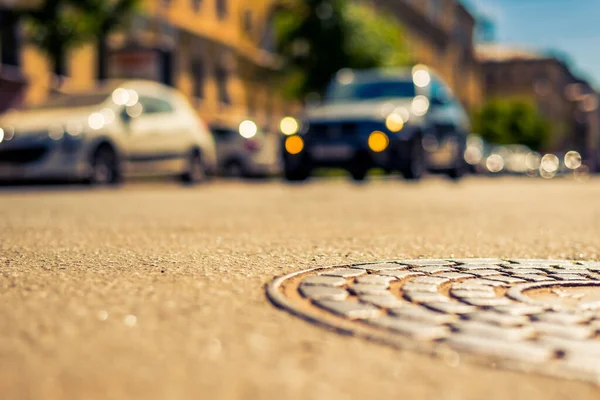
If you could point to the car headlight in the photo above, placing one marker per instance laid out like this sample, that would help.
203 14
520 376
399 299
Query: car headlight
248 129
289 126
56 132
7 132
394 122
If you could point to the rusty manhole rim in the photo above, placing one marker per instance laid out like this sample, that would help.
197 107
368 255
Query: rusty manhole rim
442 351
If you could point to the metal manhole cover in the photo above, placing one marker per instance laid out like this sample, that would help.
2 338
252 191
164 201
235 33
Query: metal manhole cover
532 315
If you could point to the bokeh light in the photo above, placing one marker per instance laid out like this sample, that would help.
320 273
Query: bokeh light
494 163
294 144
473 155
132 99
248 129
421 78
573 159
378 141
8 132
549 163
108 114
394 122
56 132
420 105
289 126
533 160
96 121
74 128
135 111
120 96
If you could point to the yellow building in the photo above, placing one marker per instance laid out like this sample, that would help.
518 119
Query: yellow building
440 34
217 52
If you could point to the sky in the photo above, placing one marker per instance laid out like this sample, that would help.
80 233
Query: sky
571 27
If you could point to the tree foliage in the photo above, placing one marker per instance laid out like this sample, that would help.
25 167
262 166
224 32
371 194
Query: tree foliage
57 26
317 38
512 121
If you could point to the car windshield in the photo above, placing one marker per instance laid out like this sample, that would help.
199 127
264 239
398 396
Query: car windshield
64 100
370 90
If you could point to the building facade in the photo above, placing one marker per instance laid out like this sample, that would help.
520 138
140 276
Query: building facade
217 52
440 35
564 99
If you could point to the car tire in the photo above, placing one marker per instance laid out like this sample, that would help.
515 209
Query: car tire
360 167
296 174
105 167
235 169
196 170
413 163
459 170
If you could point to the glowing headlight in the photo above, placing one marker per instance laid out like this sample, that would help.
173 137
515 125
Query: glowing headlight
421 76
248 129
394 122
420 105
96 121
289 126
294 144
56 132
378 141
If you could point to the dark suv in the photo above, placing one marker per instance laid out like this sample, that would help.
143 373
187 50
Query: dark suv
402 120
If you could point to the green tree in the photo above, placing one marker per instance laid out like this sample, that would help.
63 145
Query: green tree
512 121
57 26
317 38
103 17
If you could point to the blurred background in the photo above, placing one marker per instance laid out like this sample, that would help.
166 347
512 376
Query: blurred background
532 110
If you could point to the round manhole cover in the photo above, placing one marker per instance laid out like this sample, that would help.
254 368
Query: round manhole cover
533 315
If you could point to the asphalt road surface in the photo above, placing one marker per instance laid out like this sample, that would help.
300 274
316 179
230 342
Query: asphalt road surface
156 291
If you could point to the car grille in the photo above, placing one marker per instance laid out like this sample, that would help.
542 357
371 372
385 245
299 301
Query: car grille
334 130
22 156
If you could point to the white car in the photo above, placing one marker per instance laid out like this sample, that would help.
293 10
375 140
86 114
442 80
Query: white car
127 128
246 150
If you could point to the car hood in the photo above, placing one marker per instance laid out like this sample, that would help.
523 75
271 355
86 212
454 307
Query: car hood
35 120
357 111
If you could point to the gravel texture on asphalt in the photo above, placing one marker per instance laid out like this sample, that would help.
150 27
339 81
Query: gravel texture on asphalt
155 291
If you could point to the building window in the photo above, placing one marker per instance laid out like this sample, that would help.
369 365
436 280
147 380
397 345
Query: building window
250 100
221 8
196 4
248 21
9 39
198 75
222 77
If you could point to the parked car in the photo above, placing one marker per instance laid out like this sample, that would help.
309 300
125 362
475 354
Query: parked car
245 150
403 120
127 128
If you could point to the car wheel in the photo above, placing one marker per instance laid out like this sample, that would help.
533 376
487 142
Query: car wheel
359 173
296 174
105 167
457 172
196 170
360 167
460 169
234 169
414 161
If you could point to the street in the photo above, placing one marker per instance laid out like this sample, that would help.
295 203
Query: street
154 290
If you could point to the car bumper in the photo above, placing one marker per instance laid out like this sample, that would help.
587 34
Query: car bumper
56 162
343 155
